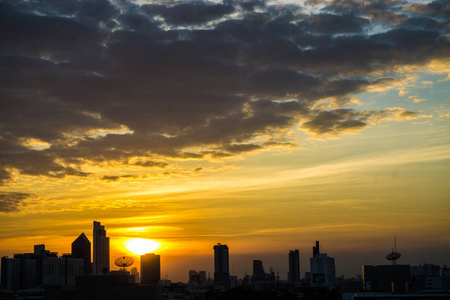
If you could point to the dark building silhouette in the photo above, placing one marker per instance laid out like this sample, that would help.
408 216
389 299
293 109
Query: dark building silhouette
316 249
323 270
42 267
150 268
221 265
81 248
426 270
258 271
386 278
135 273
197 278
294 267
11 273
101 249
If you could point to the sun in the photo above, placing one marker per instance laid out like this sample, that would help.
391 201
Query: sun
142 246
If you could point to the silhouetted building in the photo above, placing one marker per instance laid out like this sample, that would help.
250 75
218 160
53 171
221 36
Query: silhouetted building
53 270
32 265
101 249
316 249
73 267
150 268
42 267
11 273
426 270
197 278
193 277
221 266
135 273
386 278
446 277
29 274
294 267
81 248
40 250
258 271
323 270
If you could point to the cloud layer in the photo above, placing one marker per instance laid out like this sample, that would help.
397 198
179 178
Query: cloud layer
86 82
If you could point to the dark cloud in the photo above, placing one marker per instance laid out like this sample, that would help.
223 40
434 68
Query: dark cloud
388 11
95 81
116 178
335 121
329 23
437 8
151 164
12 202
189 13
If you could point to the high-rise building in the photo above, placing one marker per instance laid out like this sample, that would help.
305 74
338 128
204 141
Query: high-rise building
11 273
40 250
29 273
54 270
316 249
81 248
294 267
31 270
221 264
150 268
73 267
258 271
323 271
101 249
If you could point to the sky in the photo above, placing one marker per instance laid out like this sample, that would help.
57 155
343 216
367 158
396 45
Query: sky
263 125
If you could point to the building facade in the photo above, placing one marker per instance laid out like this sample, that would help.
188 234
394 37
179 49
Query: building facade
11 273
294 267
101 249
150 268
81 248
386 278
221 264
34 270
323 270
258 271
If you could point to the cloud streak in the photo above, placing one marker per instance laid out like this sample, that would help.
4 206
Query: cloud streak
12 202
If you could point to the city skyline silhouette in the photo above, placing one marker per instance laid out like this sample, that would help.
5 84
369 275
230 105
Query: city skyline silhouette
279 263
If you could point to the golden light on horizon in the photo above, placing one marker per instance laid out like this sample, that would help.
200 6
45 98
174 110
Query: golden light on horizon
140 246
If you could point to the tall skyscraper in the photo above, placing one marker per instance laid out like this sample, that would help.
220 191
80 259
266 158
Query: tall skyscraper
150 268
221 264
316 249
323 271
81 248
258 271
101 249
294 267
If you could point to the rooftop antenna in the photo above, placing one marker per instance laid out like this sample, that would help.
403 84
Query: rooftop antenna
394 255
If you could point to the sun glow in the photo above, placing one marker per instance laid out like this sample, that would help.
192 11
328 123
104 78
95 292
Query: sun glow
141 246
